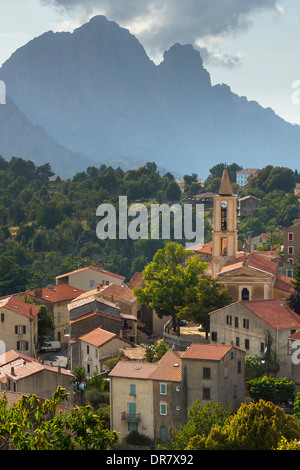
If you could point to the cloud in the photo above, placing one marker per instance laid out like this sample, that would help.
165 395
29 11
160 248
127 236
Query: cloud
158 24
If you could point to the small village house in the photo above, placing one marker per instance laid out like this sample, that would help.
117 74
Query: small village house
18 325
89 278
56 299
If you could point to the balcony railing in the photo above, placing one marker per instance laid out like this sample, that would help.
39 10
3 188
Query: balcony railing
130 417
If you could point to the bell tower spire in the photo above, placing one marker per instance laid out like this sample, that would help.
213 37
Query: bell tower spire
224 226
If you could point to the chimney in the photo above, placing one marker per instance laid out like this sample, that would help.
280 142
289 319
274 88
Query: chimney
283 302
112 299
12 371
59 369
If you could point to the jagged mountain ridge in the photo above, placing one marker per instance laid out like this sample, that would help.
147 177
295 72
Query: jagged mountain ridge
96 92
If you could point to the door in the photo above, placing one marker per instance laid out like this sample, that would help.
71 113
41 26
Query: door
132 410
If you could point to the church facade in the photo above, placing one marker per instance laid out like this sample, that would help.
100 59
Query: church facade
247 276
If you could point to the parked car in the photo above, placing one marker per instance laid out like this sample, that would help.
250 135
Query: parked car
50 346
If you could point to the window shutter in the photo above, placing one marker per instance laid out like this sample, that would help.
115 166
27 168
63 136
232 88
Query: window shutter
16 329
18 345
24 329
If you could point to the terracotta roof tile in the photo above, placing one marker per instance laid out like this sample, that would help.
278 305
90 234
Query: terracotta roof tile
252 260
169 367
59 293
14 304
93 268
133 369
206 351
284 283
97 337
136 280
273 313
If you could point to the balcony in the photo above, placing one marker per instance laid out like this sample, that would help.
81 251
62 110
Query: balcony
130 417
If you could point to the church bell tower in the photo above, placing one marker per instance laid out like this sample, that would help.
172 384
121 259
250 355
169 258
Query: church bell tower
224 226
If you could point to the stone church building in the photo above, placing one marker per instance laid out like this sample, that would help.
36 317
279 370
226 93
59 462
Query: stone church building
247 276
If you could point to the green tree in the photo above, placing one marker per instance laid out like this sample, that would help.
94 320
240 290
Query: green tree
24 425
45 324
270 389
257 426
172 271
202 298
201 419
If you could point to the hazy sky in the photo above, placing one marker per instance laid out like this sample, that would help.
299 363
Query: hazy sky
251 45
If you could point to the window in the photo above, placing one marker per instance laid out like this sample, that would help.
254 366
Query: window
229 319
163 389
2 317
245 294
163 409
247 344
262 347
20 329
132 390
87 349
291 260
239 367
206 393
246 323
92 283
22 345
291 250
237 341
58 317
206 372
236 322
289 272
291 236
214 336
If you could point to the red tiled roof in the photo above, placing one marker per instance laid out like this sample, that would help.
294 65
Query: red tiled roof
273 313
97 337
58 293
253 260
136 280
12 397
249 171
284 283
134 370
169 367
93 268
14 304
117 292
206 351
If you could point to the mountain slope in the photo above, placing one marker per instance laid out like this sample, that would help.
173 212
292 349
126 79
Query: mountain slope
19 138
97 92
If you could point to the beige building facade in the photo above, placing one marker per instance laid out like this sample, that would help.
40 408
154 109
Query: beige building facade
154 398
18 325
253 325
89 278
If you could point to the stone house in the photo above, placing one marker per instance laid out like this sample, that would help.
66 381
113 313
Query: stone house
249 324
154 398
89 277
90 311
242 176
96 347
291 247
247 206
18 325
23 374
214 372
56 299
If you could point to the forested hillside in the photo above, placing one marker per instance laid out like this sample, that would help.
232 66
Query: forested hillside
49 227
